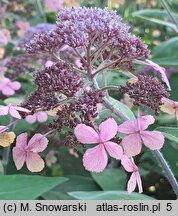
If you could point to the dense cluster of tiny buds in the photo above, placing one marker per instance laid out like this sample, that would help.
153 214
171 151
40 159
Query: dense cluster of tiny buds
83 26
41 99
65 117
146 91
60 78
18 65
71 141
46 42
34 30
81 110
87 103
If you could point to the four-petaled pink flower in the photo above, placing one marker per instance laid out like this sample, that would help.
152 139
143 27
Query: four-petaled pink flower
95 159
12 110
137 134
40 116
8 87
170 107
28 153
135 178
157 68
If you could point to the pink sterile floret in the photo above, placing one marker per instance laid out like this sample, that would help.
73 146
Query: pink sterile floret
137 134
28 153
95 159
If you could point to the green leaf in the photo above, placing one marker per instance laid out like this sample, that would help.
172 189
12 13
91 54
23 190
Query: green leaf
170 155
75 183
152 13
23 126
148 15
108 195
13 101
167 48
123 108
69 164
166 61
24 187
170 133
111 179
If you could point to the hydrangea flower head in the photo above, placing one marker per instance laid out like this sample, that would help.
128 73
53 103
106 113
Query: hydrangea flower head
135 178
83 26
28 152
137 134
95 159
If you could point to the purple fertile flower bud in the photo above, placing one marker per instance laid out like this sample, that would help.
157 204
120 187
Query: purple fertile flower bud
79 27
45 42
31 31
146 91
60 78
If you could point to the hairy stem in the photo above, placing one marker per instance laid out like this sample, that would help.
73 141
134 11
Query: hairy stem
167 171
110 88
104 78
5 158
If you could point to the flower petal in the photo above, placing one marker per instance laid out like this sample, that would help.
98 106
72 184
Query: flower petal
145 121
128 127
108 129
162 72
153 139
7 91
37 143
3 128
132 145
34 162
14 85
95 159
127 163
13 112
131 185
157 68
4 110
31 118
167 108
7 138
21 141
41 116
177 114
114 150
22 109
86 134
3 83
139 182
19 157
